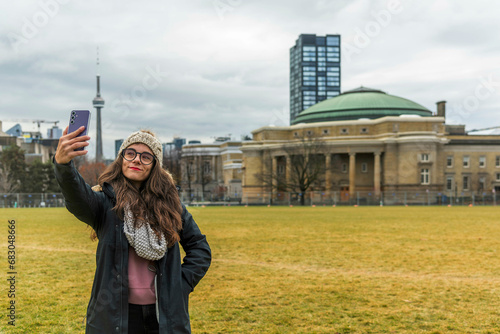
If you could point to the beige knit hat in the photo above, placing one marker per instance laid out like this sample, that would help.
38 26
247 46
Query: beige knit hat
147 138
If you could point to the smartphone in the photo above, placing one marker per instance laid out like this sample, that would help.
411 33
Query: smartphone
77 119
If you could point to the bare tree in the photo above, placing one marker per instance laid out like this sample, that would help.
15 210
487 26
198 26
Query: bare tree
7 183
91 171
307 166
13 169
188 177
205 175
172 158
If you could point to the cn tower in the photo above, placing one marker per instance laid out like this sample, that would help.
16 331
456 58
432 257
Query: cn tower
98 103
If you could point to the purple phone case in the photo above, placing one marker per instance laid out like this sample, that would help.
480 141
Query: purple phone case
77 119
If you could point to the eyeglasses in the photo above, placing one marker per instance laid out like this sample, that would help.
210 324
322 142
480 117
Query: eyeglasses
146 158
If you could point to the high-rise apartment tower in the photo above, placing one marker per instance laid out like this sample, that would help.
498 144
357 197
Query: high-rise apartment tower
314 71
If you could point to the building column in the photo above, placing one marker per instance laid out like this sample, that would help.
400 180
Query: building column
197 169
288 170
328 172
376 174
352 174
214 169
274 171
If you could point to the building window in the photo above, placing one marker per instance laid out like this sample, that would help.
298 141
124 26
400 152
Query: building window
281 169
295 134
344 168
206 167
364 167
344 131
498 177
190 168
482 182
466 161
308 58
333 69
364 130
424 157
449 161
425 176
332 40
449 183
497 161
482 161
465 181
309 133
326 132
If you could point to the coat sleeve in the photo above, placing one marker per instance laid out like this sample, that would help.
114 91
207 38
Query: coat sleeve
81 200
198 254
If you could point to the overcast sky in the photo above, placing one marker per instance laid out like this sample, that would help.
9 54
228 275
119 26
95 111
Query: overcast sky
199 69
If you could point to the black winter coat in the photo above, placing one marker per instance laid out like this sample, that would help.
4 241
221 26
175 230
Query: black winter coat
107 311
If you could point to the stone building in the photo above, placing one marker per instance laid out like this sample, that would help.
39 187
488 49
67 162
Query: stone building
374 143
33 145
211 171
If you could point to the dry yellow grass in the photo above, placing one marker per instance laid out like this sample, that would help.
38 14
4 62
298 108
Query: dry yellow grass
290 270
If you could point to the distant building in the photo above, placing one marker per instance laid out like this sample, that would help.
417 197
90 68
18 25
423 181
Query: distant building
6 139
54 133
179 142
98 103
31 142
118 144
211 171
314 71
175 145
16 131
373 146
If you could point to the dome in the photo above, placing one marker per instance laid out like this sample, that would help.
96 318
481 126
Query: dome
360 103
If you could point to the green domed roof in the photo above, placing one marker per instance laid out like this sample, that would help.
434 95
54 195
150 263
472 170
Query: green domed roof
360 103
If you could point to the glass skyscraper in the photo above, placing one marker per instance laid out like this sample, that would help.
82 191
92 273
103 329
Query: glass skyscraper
314 71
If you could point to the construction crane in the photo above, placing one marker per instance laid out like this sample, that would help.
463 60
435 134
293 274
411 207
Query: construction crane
37 121
490 128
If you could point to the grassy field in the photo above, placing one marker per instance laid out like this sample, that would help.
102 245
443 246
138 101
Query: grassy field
289 270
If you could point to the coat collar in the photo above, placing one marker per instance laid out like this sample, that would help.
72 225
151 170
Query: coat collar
109 191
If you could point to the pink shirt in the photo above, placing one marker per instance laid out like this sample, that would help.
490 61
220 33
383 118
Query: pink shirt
141 280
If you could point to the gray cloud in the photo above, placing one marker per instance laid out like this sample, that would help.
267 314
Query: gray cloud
224 70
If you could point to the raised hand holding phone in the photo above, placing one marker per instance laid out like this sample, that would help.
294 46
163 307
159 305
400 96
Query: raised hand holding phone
77 119
74 138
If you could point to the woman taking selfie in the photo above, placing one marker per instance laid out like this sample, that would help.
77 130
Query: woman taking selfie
140 283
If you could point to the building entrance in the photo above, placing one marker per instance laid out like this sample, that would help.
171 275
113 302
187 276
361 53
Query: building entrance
344 194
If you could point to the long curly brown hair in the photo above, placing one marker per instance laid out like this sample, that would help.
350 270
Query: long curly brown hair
157 200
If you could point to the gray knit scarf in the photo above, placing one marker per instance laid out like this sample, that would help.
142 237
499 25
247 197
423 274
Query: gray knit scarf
143 239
